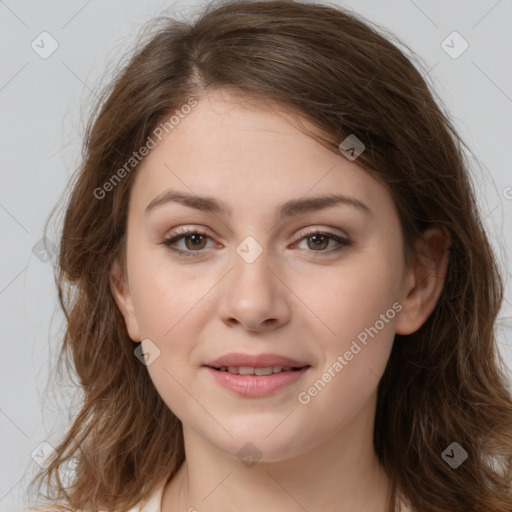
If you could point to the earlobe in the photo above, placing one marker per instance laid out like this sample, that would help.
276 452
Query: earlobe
123 299
425 280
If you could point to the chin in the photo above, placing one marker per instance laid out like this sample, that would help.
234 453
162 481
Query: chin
263 445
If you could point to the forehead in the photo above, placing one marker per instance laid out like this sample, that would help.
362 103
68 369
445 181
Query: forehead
248 154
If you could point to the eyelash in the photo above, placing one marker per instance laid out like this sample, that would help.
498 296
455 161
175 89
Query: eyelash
168 242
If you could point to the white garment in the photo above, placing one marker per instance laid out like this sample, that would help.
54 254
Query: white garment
153 504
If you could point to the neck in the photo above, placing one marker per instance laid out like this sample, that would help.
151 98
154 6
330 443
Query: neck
341 474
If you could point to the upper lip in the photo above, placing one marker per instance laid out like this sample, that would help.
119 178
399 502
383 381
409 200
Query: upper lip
237 359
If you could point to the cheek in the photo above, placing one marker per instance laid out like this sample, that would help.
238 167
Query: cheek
361 310
166 303
353 298
164 294
350 374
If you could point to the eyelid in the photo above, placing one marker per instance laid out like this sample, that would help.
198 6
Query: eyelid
344 241
309 231
325 231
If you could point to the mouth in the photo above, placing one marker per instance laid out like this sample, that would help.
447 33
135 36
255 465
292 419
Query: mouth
243 361
255 375
257 371
256 382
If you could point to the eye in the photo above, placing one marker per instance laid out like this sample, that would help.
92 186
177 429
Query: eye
320 240
195 242
195 237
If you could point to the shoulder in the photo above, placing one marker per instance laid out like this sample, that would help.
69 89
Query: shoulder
56 507
152 504
49 508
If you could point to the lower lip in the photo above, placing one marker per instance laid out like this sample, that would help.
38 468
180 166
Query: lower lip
255 386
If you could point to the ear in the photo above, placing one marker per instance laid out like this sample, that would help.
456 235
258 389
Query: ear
424 281
123 298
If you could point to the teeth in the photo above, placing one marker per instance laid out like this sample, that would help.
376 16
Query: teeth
249 370
263 371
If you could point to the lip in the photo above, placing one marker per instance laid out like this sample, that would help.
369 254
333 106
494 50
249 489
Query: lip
255 361
256 386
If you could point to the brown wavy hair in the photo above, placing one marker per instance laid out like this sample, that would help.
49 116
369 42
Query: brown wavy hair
446 382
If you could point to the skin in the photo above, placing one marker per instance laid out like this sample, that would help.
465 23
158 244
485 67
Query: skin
295 300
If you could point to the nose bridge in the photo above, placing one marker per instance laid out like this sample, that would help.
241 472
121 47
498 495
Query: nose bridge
253 294
252 267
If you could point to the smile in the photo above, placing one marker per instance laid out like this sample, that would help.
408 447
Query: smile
249 370
255 382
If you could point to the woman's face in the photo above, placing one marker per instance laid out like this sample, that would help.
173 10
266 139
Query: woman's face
256 290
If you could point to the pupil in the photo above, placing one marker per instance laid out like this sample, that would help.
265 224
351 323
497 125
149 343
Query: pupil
195 239
319 239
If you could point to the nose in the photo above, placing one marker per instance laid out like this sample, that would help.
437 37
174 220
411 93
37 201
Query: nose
254 295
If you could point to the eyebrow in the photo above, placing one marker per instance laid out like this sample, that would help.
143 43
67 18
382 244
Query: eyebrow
287 209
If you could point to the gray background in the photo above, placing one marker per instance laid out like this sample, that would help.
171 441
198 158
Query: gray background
44 105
